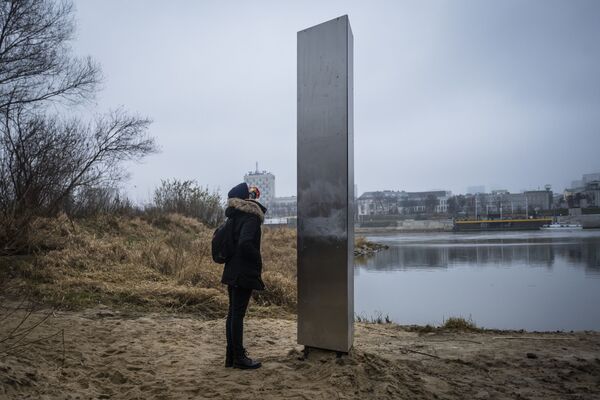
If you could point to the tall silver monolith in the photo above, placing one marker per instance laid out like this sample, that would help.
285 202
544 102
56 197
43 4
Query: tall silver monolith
325 186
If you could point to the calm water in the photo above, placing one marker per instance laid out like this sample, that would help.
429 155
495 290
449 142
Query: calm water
510 280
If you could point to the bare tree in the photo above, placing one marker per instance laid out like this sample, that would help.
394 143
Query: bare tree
102 199
36 64
45 159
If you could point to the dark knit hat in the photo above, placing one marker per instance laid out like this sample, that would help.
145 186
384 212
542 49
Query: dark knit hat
239 192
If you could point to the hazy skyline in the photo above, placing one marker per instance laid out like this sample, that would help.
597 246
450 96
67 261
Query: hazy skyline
448 94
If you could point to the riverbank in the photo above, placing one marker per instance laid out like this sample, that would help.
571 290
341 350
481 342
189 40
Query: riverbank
135 309
113 354
365 248
408 226
391 226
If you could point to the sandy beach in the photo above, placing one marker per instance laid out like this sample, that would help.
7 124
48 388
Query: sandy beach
109 354
142 312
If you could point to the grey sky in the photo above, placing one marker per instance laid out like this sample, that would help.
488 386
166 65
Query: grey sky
448 94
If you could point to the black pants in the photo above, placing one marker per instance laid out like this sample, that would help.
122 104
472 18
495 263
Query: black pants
234 327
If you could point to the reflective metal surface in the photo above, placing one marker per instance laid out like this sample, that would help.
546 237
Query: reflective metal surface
325 186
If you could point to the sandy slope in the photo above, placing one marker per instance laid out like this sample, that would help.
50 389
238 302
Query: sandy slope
157 356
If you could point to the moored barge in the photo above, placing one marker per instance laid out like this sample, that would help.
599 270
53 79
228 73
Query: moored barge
530 224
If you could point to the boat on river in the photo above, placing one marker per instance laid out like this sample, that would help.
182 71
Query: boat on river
556 226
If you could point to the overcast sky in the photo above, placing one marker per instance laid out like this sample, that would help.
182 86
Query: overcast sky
448 94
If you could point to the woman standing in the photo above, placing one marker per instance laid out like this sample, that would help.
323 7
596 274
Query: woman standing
242 273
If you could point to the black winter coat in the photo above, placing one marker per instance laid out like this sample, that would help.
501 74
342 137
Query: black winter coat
245 267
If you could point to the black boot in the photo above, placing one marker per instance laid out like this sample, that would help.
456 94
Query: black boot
242 361
229 358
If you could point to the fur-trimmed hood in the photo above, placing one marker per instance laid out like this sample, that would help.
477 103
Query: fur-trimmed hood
247 206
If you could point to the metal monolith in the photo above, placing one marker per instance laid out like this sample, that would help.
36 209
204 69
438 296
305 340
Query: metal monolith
325 186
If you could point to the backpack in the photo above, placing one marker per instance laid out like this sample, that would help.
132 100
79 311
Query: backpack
223 242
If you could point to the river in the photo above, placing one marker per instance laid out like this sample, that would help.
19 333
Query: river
538 280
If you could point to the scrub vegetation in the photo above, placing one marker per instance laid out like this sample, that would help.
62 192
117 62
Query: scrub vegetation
378 318
460 324
364 247
153 261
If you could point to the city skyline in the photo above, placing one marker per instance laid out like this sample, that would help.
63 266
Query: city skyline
469 189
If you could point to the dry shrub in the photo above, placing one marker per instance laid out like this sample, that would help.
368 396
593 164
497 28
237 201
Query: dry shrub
279 268
190 199
280 290
360 241
460 324
50 233
158 261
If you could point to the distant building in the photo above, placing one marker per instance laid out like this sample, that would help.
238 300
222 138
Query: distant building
539 199
585 192
265 181
558 201
503 203
390 202
589 178
592 193
384 202
283 207
515 203
577 184
435 201
587 196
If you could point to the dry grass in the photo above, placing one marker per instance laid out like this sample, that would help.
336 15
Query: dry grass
150 262
460 324
452 324
361 241
378 318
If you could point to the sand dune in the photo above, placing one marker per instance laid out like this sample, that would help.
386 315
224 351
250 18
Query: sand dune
110 355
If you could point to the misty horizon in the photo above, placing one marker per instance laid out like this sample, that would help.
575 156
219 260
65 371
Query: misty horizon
447 95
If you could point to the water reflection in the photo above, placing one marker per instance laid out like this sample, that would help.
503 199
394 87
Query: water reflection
445 253
506 280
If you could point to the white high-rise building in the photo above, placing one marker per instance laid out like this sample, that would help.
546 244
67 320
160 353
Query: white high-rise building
265 181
